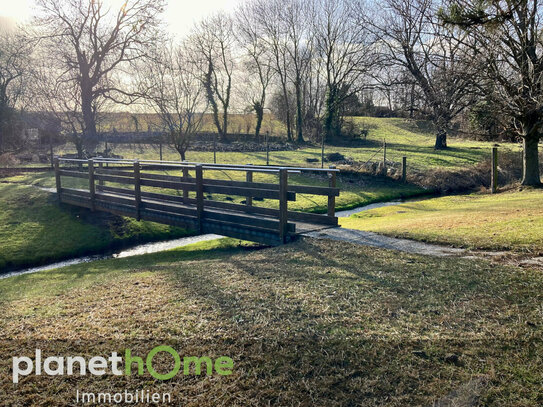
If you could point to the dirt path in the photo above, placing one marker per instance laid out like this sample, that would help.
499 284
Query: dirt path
411 246
385 242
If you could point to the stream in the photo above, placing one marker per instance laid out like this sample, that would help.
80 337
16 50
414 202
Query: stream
164 245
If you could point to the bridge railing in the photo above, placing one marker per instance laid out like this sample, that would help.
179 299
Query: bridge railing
132 191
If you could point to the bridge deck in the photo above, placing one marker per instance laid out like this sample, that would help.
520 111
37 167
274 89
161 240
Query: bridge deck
192 210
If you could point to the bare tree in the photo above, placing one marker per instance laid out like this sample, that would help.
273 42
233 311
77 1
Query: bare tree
175 91
213 46
15 53
344 45
508 39
259 58
414 39
90 47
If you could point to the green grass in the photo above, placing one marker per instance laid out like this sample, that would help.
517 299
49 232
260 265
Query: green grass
311 323
404 137
34 229
509 220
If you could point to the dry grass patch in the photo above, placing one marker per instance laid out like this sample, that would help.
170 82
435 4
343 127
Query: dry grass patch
311 323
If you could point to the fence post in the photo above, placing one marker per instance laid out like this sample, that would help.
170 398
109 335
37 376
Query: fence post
57 177
384 157
185 191
137 189
494 170
100 167
199 196
322 151
332 199
51 153
215 149
267 148
283 204
404 169
160 146
92 189
249 199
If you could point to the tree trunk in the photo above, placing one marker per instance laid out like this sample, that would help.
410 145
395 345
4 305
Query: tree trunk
259 110
89 132
441 135
299 114
530 161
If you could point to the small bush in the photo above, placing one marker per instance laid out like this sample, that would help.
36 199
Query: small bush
335 157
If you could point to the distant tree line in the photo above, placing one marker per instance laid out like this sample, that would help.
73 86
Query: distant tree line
312 63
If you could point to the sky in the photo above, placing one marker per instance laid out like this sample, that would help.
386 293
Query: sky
180 15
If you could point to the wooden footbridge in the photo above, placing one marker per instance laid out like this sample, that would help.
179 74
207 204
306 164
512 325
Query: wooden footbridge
180 194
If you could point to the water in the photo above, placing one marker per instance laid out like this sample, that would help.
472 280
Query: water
346 214
134 251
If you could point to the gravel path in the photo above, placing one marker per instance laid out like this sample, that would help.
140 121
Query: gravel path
385 242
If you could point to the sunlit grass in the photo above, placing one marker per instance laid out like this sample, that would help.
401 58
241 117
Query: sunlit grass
509 220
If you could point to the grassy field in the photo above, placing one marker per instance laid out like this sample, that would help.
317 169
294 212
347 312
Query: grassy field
34 229
312 323
509 220
411 138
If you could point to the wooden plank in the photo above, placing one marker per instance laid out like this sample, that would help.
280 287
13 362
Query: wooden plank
332 199
199 195
245 233
185 176
116 190
137 189
122 200
240 219
169 219
249 179
169 185
100 168
173 178
57 177
283 204
114 178
301 189
92 187
109 171
180 210
312 218
255 193
74 174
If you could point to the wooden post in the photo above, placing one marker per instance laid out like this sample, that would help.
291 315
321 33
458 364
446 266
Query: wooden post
100 167
267 148
160 146
215 149
494 170
51 154
57 177
332 199
249 199
137 189
185 191
92 189
384 157
322 151
404 169
199 196
283 204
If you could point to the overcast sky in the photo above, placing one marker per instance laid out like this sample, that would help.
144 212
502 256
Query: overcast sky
180 14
